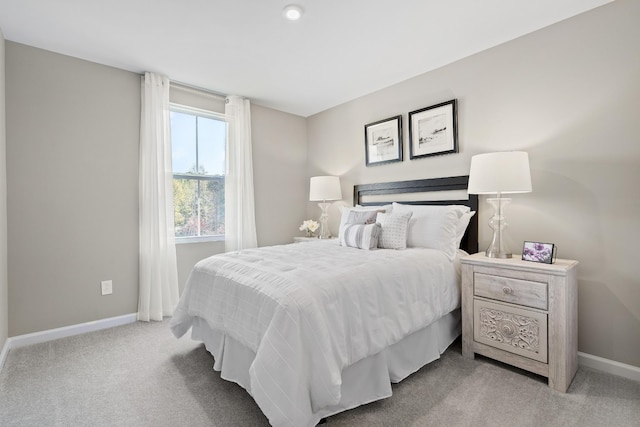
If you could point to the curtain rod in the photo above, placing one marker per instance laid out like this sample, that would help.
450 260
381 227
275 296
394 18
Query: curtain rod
197 90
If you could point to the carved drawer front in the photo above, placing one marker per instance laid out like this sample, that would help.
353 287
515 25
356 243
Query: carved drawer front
512 329
507 289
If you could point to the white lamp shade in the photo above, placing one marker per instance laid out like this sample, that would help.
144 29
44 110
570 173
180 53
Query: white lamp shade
503 172
325 188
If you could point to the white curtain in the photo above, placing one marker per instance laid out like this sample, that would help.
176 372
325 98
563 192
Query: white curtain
240 222
158 268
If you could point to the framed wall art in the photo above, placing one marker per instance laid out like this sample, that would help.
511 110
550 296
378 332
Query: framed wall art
538 252
433 130
383 141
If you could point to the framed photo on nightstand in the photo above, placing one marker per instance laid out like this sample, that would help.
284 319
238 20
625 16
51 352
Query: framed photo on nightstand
539 252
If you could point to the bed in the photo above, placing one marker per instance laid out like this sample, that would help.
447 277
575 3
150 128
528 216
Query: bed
313 329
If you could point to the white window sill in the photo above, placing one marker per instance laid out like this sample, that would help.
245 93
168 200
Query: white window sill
199 239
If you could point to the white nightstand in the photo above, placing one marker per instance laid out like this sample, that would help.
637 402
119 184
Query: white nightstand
522 313
309 239
304 239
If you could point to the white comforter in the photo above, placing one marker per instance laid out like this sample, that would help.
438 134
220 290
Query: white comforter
308 310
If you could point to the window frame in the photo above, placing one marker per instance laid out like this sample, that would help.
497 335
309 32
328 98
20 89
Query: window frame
185 109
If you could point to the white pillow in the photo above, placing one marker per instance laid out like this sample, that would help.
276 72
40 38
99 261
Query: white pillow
394 230
463 223
364 217
361 236
345 211
433 226
429 209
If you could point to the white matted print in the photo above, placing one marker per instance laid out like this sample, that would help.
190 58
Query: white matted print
433 130
383 141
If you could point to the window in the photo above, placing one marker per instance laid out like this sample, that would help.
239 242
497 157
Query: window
198 145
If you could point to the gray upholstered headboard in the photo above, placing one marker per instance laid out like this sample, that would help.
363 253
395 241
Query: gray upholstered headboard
455 183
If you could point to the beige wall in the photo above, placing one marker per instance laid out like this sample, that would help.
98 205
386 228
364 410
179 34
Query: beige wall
72 173
279 174
4 303
72 155
569 95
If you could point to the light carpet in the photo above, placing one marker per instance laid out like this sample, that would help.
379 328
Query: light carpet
141 375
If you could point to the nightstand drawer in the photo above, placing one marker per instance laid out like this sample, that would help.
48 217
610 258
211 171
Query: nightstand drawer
512 329
507 289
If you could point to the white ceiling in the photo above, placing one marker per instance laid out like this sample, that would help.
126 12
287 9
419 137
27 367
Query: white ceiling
338 51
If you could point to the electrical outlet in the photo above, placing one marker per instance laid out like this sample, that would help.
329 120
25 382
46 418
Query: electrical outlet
107 287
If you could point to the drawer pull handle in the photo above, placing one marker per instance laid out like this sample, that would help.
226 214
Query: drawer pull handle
507 290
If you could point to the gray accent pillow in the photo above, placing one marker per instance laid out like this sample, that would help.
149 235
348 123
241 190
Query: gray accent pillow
361 236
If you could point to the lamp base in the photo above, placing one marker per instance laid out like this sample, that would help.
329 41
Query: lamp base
324 226
492 254
498 248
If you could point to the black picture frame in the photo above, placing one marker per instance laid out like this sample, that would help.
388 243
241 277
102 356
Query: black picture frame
544 253
433 131
383 141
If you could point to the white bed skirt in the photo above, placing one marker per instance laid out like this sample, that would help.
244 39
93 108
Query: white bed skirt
365 381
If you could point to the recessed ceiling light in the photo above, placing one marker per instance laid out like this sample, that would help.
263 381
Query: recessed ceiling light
292 12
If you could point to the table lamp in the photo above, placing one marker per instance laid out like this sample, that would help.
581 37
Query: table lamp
323 188
499 173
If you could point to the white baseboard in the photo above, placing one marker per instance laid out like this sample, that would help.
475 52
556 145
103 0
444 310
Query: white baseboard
67 331
609 366
4 353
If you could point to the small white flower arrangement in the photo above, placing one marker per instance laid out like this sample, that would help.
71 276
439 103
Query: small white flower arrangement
310 226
